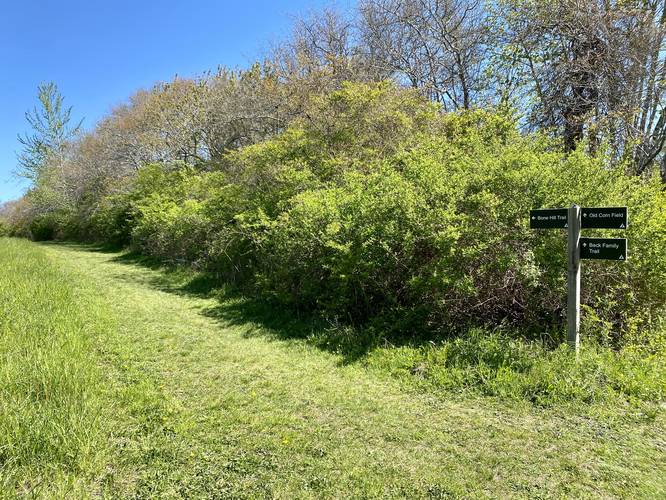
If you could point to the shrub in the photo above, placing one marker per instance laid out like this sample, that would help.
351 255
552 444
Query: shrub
437 228
177 213
111 220
44 227
377 208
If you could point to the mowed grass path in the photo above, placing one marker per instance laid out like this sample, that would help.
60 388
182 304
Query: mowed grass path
200 402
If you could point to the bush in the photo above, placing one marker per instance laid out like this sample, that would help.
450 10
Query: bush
176 213
44 227
377 208
111 221
437 229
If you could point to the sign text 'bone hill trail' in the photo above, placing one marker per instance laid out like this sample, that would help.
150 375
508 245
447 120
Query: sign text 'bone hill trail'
549 218
573 220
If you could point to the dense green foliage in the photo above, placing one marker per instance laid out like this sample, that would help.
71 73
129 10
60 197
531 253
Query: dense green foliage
377 209
383 208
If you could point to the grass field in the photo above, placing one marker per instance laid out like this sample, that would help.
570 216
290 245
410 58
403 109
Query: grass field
52 434
122 380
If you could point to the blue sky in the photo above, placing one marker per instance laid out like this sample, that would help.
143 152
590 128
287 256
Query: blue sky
100 52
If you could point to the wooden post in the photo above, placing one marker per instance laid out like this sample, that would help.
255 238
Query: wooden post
573 278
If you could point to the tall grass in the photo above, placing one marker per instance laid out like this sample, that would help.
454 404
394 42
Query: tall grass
51 438
495 364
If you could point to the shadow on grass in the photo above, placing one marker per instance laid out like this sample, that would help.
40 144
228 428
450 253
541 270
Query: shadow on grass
276 321
235 307
91 247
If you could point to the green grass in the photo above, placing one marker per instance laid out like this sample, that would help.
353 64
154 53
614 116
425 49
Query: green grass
184 391
629 383
51 432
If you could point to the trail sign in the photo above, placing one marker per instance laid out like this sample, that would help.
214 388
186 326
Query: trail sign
604 218
549 218
573 220
603 248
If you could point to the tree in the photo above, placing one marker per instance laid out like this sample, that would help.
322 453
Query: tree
51 132
242 108
324 49
593 70
437 46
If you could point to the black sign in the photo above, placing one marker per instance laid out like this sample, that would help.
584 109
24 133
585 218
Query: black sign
603 248
549 218
604 218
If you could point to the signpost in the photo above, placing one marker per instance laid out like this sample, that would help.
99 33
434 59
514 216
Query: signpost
573 220
573 278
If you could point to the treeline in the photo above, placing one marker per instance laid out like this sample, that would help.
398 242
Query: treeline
380 165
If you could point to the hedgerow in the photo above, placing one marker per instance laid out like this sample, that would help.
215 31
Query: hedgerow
377 207
434 225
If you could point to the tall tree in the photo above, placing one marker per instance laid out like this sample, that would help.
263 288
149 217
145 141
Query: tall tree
322 51
437 46
52 128
592 70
